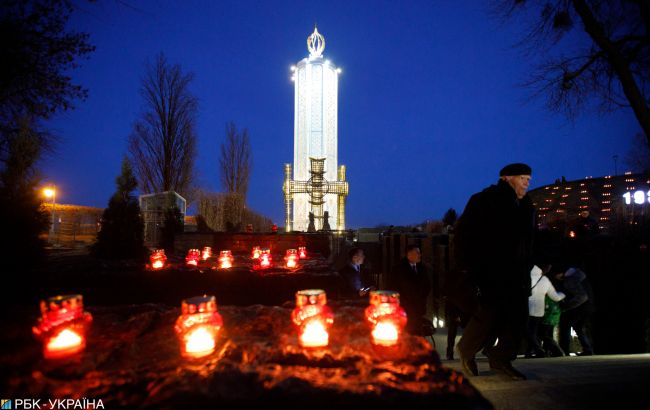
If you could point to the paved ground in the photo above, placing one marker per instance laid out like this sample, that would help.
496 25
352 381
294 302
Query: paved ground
621 381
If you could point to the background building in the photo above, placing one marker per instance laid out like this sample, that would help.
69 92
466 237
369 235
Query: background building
608 200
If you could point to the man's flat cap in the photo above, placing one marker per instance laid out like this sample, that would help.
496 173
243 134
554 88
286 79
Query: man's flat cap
515 169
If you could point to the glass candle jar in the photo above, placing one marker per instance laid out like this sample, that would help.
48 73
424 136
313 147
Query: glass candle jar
257 251
226 259
157 259
206 253
62 326
312 318
198 326
265 260
193 257
291 258
386 317
302 252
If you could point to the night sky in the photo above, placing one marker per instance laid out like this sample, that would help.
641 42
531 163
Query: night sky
430 106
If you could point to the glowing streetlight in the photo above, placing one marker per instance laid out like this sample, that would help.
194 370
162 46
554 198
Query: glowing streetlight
50 192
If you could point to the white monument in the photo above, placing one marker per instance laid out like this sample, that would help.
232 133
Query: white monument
315 138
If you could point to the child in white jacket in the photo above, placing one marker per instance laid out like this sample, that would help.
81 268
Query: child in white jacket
540 287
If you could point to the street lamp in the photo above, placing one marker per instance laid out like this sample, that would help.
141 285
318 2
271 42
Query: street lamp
50 192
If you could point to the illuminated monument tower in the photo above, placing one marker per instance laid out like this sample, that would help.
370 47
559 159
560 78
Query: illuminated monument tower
318 185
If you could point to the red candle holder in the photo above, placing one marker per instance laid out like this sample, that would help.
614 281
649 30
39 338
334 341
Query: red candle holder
206 253
302 252
312 318
265 260
193 257
257 251
386 317
62 326
158 259
291 258
198 326
226 259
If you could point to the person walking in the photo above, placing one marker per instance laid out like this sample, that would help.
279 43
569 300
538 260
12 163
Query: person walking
577 309
540 289
493 250
551 319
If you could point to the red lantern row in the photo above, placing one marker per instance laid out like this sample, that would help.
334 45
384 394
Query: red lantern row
263 258
64 324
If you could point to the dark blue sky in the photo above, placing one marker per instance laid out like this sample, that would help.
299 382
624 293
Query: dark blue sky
429 103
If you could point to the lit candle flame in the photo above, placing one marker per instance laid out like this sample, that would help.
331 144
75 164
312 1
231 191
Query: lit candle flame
291 263
314 335
385 334
65 342
225 263
199 342
158 264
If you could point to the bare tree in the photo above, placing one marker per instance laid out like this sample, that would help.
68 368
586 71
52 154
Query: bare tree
235 161
609 56
162 145
638 157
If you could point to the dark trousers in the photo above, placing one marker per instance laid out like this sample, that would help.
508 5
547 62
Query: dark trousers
504 320
548 343
533 344
455 318
578 319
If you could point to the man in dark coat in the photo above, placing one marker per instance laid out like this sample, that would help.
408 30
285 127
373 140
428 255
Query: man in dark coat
410 278
355 283
493 250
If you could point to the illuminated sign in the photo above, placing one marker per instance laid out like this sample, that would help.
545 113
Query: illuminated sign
638 197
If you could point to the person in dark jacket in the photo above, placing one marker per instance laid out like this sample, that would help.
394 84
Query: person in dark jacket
493 251
355 282
410 278
577 309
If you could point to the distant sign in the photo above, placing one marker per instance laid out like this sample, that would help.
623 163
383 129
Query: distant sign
638 197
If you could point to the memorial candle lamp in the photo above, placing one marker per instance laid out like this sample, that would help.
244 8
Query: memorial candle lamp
257 251
265 259
386 317
158 259
312 318
62 326
226 259
302 252
291 258
193 257
206 253
198 326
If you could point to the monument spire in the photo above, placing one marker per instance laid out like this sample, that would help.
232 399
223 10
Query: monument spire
315 43
315 187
